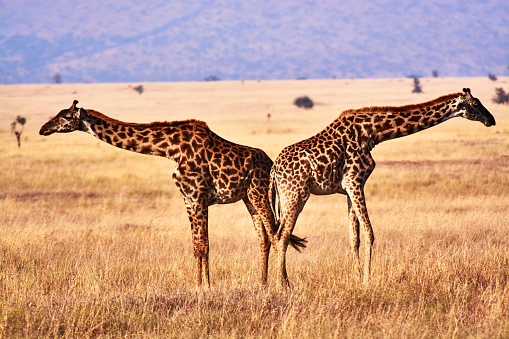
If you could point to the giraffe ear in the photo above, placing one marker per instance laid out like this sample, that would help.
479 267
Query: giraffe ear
73 106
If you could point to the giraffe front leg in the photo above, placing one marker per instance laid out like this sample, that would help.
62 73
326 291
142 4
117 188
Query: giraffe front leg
198 216
356 196
354 238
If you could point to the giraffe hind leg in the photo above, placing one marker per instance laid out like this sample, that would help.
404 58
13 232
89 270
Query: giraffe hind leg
296 242
354 238
205 272
288 221
264 249
262 238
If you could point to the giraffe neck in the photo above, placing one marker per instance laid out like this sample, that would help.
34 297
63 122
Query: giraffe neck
163 139
378 124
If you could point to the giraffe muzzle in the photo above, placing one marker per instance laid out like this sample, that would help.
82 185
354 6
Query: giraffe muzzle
490 122
46 131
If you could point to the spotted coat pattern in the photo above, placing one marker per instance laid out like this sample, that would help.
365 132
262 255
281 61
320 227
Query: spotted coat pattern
210 170
338 160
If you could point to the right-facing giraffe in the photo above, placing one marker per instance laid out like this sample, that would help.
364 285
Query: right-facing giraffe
338 160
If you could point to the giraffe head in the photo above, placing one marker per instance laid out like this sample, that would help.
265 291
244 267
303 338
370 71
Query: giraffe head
67 120
472 109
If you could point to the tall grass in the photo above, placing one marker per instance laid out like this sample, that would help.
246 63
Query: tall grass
95 242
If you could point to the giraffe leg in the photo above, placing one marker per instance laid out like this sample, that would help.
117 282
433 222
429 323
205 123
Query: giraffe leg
198 216
262 238
197 267
282 241
356 195
292 197
354 237
282 246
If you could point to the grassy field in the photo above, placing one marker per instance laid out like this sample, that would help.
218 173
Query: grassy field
95 241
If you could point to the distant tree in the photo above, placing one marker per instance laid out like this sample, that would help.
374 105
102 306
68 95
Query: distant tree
417 84
139 89
434 73
14 128
492 77
211 78
303 102
501 97
57 78
21 120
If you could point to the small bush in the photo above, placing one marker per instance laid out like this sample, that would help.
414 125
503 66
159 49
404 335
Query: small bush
501 97
492 77
303 102
139 89
211 78
417 84
21 120
57 78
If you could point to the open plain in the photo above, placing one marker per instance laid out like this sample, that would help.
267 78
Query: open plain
95 240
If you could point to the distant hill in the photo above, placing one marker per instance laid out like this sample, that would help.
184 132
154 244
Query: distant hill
134 41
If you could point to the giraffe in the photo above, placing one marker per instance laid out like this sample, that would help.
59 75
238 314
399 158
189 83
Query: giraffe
338 160
210 170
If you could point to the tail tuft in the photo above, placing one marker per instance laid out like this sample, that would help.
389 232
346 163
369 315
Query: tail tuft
298 243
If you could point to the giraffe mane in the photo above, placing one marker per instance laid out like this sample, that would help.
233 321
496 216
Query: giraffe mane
398 109
156 124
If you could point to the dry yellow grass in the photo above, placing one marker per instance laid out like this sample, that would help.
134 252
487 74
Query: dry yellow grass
95 241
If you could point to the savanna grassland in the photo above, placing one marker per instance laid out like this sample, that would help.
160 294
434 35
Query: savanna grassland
95 241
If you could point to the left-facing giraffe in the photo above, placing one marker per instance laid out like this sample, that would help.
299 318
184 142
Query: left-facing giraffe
210 170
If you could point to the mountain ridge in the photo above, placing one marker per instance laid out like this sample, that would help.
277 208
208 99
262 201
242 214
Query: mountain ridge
103 41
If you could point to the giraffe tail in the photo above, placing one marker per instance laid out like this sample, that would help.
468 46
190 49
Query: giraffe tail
296 242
